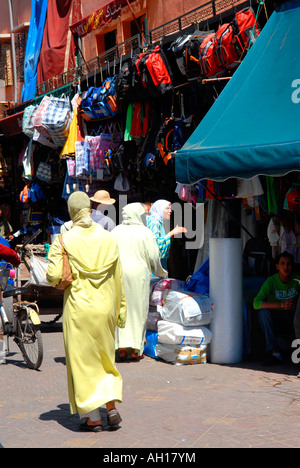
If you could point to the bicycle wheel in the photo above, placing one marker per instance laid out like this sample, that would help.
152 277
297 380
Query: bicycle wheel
29 340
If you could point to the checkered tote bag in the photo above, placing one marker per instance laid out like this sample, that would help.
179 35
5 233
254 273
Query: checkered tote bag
81 159
57 119
71 167
39 126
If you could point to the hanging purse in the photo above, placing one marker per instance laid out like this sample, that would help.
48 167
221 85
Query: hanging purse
57 119
43 171
27 121
67 277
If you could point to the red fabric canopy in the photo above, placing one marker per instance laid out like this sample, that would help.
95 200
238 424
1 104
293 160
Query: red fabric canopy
12 125
58 49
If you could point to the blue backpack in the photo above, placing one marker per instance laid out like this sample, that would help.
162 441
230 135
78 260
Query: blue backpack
100 103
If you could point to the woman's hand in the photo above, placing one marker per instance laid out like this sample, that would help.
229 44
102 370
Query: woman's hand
177 230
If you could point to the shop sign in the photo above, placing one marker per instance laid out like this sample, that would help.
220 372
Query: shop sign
97 19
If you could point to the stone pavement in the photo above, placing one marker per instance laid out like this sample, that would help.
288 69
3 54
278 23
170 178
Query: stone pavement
164 406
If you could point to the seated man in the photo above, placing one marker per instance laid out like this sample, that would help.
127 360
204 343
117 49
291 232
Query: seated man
276 304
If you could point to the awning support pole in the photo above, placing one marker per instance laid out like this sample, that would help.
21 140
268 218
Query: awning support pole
226 209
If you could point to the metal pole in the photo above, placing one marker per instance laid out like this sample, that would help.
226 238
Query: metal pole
13 49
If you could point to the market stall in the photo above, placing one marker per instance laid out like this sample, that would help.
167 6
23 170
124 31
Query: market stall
250 139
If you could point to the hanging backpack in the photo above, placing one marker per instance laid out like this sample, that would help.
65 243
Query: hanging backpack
207 60
178 48
154 72
191 53
172 136
126 83
99 103
226 53
245 29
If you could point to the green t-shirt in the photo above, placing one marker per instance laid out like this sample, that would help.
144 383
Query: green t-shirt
273 290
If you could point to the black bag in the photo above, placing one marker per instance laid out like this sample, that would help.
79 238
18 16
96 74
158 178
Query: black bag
186 50
128 86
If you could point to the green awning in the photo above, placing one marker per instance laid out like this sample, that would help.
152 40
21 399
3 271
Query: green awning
254 126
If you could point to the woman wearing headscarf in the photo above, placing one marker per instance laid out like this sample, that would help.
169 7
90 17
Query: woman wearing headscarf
159 212
93 305
139 257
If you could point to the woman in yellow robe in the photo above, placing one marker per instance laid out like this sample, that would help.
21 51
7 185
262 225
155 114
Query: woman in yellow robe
94 305
139 257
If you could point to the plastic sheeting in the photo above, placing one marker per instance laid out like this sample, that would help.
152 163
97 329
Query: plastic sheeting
33 47
226 292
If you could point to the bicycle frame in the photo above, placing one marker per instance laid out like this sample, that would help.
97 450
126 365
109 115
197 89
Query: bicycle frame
21 321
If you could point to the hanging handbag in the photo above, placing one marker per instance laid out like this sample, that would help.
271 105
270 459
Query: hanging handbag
71 167
57 119
38 120
82 159
67 277
27 121
109 140
96 155
43 171
28 161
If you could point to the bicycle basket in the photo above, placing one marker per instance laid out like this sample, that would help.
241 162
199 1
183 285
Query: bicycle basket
4 274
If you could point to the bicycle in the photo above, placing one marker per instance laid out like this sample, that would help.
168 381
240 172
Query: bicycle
21 320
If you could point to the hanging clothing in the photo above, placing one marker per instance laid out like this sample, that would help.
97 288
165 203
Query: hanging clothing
155 224
139 257
272 195
57 54
93 305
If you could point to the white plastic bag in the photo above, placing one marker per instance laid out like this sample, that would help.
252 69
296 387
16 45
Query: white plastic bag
189 309
38 268
174 333
159 288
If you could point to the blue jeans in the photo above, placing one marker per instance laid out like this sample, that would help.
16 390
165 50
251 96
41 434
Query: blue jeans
274 322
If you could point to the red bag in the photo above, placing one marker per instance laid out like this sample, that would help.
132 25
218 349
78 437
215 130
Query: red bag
207 60
245 29
225 51
154 72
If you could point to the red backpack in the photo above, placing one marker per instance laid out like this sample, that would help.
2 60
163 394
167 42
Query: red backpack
155 72
207 61
245 29
225 51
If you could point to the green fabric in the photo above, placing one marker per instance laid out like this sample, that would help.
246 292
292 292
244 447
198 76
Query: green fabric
129 117
272 195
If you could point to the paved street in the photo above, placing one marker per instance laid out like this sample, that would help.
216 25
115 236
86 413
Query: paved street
164 406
